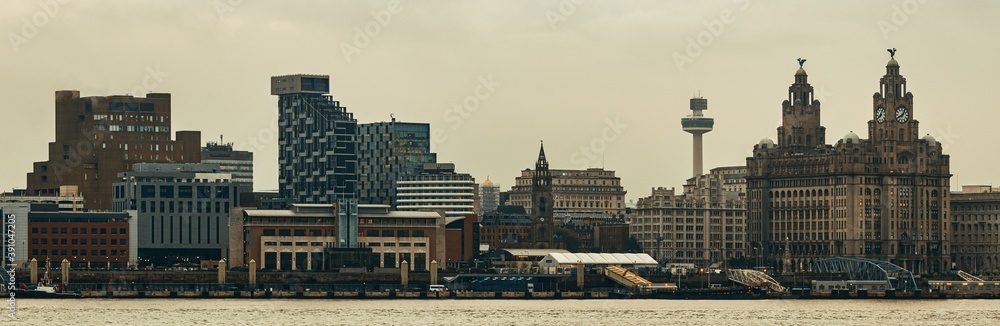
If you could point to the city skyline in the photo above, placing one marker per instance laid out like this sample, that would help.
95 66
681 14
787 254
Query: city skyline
609 79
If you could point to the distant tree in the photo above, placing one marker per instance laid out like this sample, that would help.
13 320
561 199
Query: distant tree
633 245
740 263
569 238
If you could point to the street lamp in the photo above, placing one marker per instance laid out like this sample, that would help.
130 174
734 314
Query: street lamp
704 277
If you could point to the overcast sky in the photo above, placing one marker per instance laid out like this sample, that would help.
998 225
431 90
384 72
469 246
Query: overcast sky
604 83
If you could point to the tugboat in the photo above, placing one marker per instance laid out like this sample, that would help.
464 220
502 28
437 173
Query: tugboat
44 289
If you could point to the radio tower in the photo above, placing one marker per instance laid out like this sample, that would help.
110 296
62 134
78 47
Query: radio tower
697 124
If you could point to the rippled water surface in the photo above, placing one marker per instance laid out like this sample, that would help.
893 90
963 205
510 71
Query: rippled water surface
504 312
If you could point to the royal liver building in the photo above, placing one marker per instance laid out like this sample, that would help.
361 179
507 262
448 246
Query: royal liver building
884 197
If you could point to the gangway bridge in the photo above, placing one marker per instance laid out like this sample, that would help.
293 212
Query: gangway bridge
631 280
755 279
969 277
865 269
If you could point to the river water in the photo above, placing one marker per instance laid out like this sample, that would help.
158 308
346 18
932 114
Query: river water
504 312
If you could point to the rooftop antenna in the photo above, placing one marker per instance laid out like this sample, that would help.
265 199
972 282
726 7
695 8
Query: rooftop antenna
391 115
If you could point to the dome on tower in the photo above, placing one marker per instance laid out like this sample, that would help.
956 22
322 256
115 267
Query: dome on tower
800 72
487 183
851 138
930 139
893 63
766 143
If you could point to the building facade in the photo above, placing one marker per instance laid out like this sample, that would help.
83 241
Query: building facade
590 190
489 195
703 226
975 215
282 239
295 238
182 210
506 227
734 179
884 197
86 239
387 151
16 205
438 186
317 142
100 136
239 164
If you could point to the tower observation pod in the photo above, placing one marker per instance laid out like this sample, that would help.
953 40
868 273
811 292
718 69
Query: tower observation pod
697 125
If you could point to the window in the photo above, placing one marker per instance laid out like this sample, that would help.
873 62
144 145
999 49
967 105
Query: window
166 191
147 191
204 192
221 192
184 192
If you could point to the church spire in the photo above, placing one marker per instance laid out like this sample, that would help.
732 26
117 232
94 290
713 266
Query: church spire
542 162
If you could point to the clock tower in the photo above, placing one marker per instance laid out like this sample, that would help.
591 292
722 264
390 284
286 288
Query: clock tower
892 107
542 225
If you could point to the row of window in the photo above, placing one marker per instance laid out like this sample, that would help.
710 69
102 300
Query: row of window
75 252
77 231
394 233
294 232
394 244
81 242
131 128
150 191
190 207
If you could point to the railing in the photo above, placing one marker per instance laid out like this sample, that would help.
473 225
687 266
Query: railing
181 287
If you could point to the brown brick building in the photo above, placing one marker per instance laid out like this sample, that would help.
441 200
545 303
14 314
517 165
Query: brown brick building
98 137
462 239
100 239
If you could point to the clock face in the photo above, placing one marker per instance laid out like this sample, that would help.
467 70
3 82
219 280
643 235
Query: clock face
880 115
902 115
